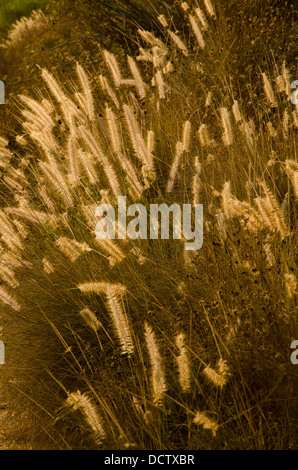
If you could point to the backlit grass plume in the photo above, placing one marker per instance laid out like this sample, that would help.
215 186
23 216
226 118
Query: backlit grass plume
118 343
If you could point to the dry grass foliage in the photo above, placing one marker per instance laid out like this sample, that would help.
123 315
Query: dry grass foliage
137 343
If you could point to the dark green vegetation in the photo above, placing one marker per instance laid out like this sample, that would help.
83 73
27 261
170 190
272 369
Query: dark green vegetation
12 10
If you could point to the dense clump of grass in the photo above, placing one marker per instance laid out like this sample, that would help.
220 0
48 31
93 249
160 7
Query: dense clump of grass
13 10
138 343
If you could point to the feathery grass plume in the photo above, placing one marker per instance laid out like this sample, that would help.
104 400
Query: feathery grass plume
22 200
229 202
269 254
264 211
152 40
232 332
138 81
208 99
183 363
30 129
186 136
233 207
168 68
46 141
227 126
280 84
146 415
291 168
197 32
98 154
6 298
74 162
136 137
184 6
47 266
89 211
54 87
13 184
29 214
203 135
106 197
57 179
209 8
219 378
163 21
113 130
285 207
87 91
158 380
7 274
80 401
273 221
22 231
159 56
150 141
202 419
182 289
136 188
71 248
291 284
160 83
119 316
271 129
236 111
110 247
139 255
221 224
196 184
9 234
248 134
114 294
90 318
42 135
285 123
71 111
14 260
287 80
39 110
179 43
106 87
128 81
5 154
47 105
202 18
138 406
88 162
269 91
46 199
37 121
174 167
80 97
114 67
145 55
152 274
223 368
28 27
274 211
